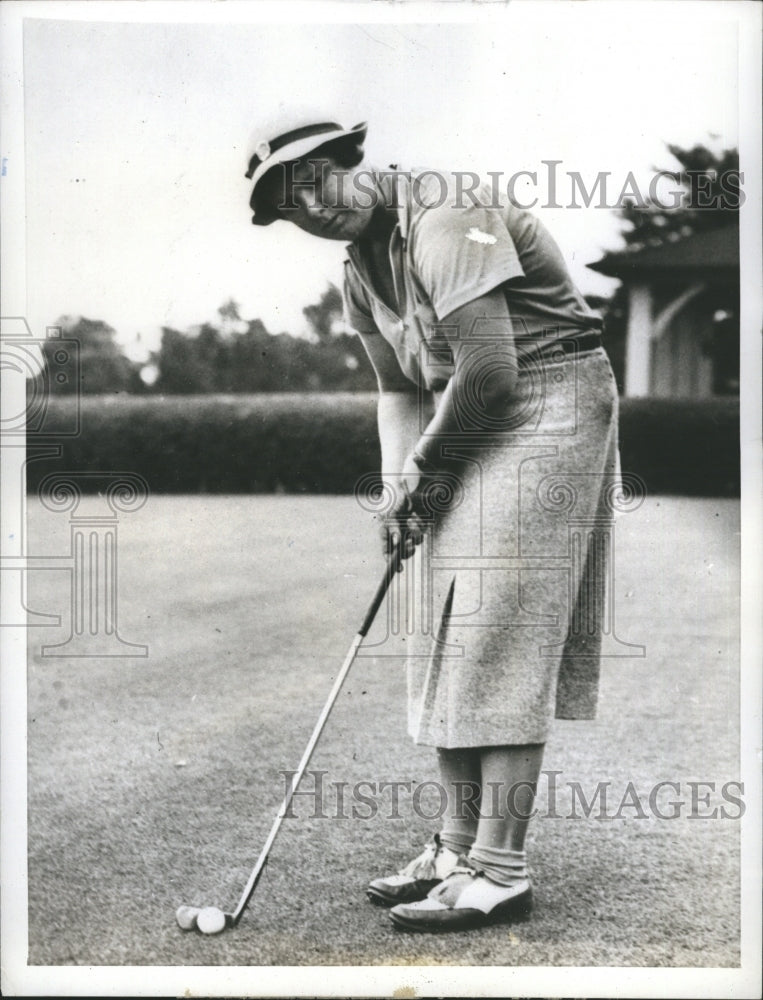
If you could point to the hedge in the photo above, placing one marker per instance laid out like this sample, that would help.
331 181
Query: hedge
682 446
323 443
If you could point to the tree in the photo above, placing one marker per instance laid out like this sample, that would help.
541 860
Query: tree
709 203
102 366
180 368
237 355
340 358
325 315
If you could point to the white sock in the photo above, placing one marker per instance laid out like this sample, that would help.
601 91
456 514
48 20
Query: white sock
500 866
456 841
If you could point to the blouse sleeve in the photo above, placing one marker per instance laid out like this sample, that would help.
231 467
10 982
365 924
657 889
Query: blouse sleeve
460 251
357 311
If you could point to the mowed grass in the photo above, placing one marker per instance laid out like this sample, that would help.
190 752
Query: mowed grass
154 782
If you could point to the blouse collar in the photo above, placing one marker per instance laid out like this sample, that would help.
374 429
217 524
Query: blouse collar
392 185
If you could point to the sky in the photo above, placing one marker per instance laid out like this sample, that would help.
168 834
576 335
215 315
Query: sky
137 137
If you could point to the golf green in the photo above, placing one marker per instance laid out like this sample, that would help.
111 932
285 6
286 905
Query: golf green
153 781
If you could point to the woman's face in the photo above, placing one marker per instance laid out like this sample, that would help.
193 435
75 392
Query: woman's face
322 199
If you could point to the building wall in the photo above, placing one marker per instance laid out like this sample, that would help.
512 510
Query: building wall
681 363
691 353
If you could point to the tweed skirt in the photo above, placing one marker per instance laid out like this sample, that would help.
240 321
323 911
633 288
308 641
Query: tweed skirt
512 575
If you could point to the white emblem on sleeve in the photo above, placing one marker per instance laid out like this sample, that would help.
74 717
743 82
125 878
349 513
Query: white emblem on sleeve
477 236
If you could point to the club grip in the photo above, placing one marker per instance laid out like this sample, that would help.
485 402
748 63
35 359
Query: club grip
393 566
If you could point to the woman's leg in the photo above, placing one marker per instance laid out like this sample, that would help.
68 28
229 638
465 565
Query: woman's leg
509 777
509 783
460 774
494 886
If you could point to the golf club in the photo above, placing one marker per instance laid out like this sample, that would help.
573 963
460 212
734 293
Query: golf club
210 919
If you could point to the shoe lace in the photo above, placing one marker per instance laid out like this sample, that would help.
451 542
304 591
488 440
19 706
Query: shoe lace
465 866
423 866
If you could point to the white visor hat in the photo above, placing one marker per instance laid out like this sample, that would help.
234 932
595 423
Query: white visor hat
294 144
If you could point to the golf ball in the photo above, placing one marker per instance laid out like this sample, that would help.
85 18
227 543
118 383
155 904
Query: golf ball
186 917
210 920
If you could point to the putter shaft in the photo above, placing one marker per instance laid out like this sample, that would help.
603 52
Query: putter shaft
392 568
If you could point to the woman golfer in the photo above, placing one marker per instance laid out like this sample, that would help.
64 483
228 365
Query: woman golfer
497 418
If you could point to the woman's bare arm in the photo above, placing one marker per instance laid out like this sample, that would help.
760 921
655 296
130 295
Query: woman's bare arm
403 411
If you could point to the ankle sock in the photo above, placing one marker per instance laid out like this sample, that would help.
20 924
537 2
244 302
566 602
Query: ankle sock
456 841
500 866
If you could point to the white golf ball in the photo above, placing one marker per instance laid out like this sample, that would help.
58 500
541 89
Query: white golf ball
186 917
210 920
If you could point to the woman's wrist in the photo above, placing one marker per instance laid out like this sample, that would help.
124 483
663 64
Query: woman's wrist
410 477
422 461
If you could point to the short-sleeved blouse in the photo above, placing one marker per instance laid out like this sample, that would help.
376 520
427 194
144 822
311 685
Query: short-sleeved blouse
449 247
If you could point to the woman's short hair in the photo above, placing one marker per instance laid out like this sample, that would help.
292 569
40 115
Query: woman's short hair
346 152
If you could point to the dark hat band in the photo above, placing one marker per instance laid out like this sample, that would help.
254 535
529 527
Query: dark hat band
305 132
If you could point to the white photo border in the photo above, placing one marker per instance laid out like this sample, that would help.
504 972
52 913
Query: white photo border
20 979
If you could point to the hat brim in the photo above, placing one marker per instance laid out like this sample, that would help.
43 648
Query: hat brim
296 150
